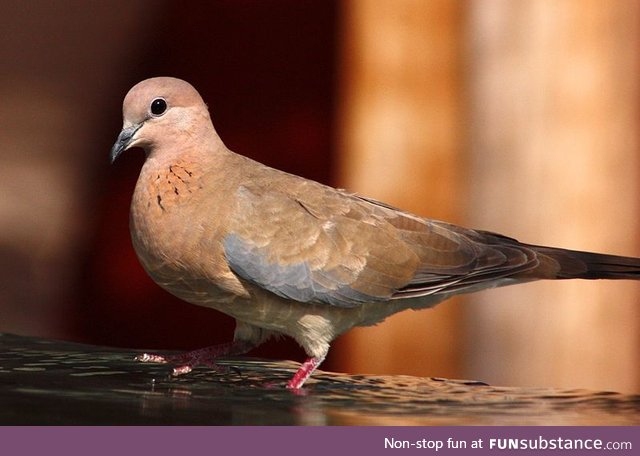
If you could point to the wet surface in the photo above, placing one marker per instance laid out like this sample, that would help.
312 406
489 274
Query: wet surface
52 382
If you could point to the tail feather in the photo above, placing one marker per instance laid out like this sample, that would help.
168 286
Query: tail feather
502 260
574 264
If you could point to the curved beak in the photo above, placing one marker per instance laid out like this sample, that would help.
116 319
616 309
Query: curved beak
124 140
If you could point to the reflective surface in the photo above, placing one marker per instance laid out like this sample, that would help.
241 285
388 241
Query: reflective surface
52 382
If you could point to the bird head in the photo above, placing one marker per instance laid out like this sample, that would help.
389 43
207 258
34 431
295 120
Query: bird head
158 109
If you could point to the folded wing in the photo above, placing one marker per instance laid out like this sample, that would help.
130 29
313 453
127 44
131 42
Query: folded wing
320 245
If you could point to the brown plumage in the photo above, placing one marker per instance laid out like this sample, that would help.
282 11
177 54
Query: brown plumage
286 255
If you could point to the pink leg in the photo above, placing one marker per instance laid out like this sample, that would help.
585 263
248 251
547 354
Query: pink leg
202 357
304 372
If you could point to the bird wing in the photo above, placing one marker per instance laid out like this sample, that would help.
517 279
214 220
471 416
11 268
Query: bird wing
310 243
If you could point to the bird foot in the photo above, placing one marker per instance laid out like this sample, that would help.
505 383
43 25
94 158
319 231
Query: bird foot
207 357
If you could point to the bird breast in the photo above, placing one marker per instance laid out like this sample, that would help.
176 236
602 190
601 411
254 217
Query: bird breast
177 235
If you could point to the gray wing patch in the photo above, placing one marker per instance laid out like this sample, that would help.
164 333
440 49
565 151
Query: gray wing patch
293 281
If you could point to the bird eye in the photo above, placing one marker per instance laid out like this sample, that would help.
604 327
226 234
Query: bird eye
158 106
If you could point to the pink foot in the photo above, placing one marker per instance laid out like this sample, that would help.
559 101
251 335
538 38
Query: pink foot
207 356
303 373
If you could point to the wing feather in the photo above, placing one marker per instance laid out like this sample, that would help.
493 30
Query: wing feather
325 246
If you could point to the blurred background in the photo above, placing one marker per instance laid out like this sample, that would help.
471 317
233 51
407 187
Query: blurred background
516 117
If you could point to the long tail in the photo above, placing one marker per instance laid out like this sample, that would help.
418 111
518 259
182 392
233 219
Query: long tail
502 260
573 264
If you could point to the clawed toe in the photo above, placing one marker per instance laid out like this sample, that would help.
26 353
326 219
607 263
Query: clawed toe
150 358
181 370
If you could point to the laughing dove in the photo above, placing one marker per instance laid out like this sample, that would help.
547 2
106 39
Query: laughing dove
286 255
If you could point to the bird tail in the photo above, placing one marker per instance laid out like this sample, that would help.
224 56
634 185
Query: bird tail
558 263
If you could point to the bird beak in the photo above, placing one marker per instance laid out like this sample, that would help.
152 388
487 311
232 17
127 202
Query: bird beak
124 141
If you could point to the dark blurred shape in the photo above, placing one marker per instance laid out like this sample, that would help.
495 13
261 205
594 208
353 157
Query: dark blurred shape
59 63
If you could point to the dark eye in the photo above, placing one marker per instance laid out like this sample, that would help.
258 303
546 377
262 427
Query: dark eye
158 106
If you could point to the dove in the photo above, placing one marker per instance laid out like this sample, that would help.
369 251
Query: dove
284 255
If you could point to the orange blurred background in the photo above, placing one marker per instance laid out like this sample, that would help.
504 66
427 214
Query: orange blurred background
516 117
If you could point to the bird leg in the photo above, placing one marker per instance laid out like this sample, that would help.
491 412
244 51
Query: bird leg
304 372
207 356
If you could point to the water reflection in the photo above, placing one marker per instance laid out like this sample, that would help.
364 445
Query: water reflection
50 382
